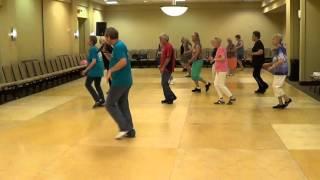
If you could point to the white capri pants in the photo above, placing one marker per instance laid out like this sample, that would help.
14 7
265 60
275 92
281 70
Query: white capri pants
220 84
213 71
278 82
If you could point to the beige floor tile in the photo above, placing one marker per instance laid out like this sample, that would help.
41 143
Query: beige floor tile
29 107
57 135
210 164
292 116
222 115
309 161
299 137
155 132
24 161
101 163
226 136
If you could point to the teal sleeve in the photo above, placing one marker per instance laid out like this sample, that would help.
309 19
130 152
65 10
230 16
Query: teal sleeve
120 53
93 54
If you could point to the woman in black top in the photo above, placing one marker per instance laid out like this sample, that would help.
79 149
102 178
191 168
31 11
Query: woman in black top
106 51
257 62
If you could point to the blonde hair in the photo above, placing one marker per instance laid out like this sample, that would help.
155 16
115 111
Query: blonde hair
218 40
102 40
197 36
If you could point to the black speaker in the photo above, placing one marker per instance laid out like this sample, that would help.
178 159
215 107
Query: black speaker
101 28
294 74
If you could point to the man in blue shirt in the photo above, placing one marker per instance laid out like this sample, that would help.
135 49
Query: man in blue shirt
120 73
94 72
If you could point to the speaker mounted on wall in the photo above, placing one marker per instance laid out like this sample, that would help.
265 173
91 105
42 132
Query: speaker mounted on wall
101 28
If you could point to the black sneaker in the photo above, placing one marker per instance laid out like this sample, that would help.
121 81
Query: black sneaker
231 100
131 133
196 90
279 106
96 105
287 103
260 91
167 102
220 101
208 86
174 98
102 101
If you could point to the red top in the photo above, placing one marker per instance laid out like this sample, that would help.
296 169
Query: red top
168 52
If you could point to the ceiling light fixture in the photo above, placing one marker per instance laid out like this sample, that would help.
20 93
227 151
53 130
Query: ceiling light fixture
111 2
174 9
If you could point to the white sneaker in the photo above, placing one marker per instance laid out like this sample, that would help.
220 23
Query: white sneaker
121 135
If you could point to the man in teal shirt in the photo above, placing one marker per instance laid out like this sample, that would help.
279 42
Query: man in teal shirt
94 72
120 73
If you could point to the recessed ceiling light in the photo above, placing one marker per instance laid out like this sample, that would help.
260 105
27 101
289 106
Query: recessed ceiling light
111 2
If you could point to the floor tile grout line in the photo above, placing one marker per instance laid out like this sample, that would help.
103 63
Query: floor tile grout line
180 139
288 151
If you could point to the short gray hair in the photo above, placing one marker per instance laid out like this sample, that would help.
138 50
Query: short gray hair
164 36
278 35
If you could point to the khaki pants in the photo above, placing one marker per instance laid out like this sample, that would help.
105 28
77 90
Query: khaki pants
220 84
278 82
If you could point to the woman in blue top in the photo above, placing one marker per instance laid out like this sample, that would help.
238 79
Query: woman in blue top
279 69
94 72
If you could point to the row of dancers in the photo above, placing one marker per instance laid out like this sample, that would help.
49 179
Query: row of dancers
119 74
225 62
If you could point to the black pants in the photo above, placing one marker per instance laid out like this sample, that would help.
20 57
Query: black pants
106 67
168 94
257 76
97 93
109 81
118 107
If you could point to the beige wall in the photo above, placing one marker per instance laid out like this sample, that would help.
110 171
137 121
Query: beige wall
29 25
60 23
7 21
310 30
140 26
57 28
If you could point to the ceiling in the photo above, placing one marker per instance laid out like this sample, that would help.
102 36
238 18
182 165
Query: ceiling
168 1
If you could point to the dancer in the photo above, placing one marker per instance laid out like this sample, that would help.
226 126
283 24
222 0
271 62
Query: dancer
158 55
120 72
210 59
106 51
186 54
221 69
197 64
94 73
231 57
279 69
167 64
257 62
240 51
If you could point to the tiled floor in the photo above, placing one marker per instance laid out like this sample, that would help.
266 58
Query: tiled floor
56 135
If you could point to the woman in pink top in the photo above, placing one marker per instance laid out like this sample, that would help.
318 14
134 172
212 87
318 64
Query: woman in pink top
221 69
